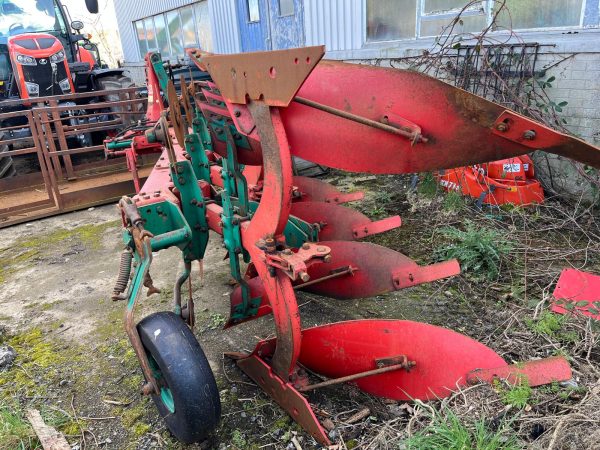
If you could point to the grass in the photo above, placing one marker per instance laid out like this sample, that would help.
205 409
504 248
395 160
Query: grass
15 431
478 249
447 432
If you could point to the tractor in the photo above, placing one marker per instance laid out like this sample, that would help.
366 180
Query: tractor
44 54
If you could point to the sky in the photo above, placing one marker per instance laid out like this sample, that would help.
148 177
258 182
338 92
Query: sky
102 27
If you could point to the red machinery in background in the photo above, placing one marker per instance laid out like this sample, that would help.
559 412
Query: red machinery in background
226 166
507 181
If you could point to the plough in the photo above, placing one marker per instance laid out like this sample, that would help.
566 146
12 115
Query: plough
226 165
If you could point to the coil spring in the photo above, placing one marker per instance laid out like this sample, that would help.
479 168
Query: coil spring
124 272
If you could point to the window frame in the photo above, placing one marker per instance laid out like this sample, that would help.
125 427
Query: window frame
248 17
171 56
487 5
293 13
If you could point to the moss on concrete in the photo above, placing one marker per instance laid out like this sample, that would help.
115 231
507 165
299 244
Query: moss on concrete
23 252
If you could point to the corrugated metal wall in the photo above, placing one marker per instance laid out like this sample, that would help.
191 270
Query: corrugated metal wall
127 11
223 20
339 24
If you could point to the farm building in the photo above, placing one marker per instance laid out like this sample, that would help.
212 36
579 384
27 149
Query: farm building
554 40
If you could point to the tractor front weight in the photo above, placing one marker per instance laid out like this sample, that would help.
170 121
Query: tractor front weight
226 167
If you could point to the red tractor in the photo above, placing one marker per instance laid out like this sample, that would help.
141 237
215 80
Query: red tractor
43 54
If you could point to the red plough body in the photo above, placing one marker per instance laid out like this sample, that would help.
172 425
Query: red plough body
263 108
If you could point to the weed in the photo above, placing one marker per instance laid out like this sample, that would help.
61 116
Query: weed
447 432
238 440
377 211
517 396
216 320
383 196
478 249
453 201
428 186
552 326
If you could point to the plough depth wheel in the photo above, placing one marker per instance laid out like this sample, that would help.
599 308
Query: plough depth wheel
189 399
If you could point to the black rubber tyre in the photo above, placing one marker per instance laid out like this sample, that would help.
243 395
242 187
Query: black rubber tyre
112 82
183 369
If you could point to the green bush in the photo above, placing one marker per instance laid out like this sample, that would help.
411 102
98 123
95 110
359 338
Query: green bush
478 249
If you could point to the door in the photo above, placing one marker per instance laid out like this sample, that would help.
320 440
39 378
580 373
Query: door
270 24
253 20
287 23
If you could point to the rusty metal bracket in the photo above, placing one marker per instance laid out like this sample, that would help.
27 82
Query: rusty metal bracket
524 131
272 77
294 264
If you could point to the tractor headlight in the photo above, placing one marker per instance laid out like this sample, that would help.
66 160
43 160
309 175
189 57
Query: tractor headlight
25 60
65 86
57 57
33 89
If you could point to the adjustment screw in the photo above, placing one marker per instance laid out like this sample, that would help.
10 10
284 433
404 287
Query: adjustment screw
529 135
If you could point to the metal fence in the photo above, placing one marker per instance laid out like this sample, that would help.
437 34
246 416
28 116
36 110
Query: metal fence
59 164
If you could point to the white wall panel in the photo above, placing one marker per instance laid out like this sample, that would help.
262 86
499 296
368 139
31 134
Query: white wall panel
226 35
339 24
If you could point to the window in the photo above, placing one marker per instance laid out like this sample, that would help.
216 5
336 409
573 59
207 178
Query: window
162 35
390 19
286 7
253 11
541 14
188 27
171 32
203 26
150 37
175 33
141 36
410 19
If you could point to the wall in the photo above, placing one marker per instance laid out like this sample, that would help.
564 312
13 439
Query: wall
573 59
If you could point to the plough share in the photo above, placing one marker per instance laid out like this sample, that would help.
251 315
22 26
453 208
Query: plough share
226 165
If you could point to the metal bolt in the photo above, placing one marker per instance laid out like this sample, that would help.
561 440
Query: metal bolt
237 113
502 127
529 135
304 276
287 251
306 246
327 258
181 180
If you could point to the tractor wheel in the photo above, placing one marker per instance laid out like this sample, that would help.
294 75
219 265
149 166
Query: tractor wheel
113 82
189 399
